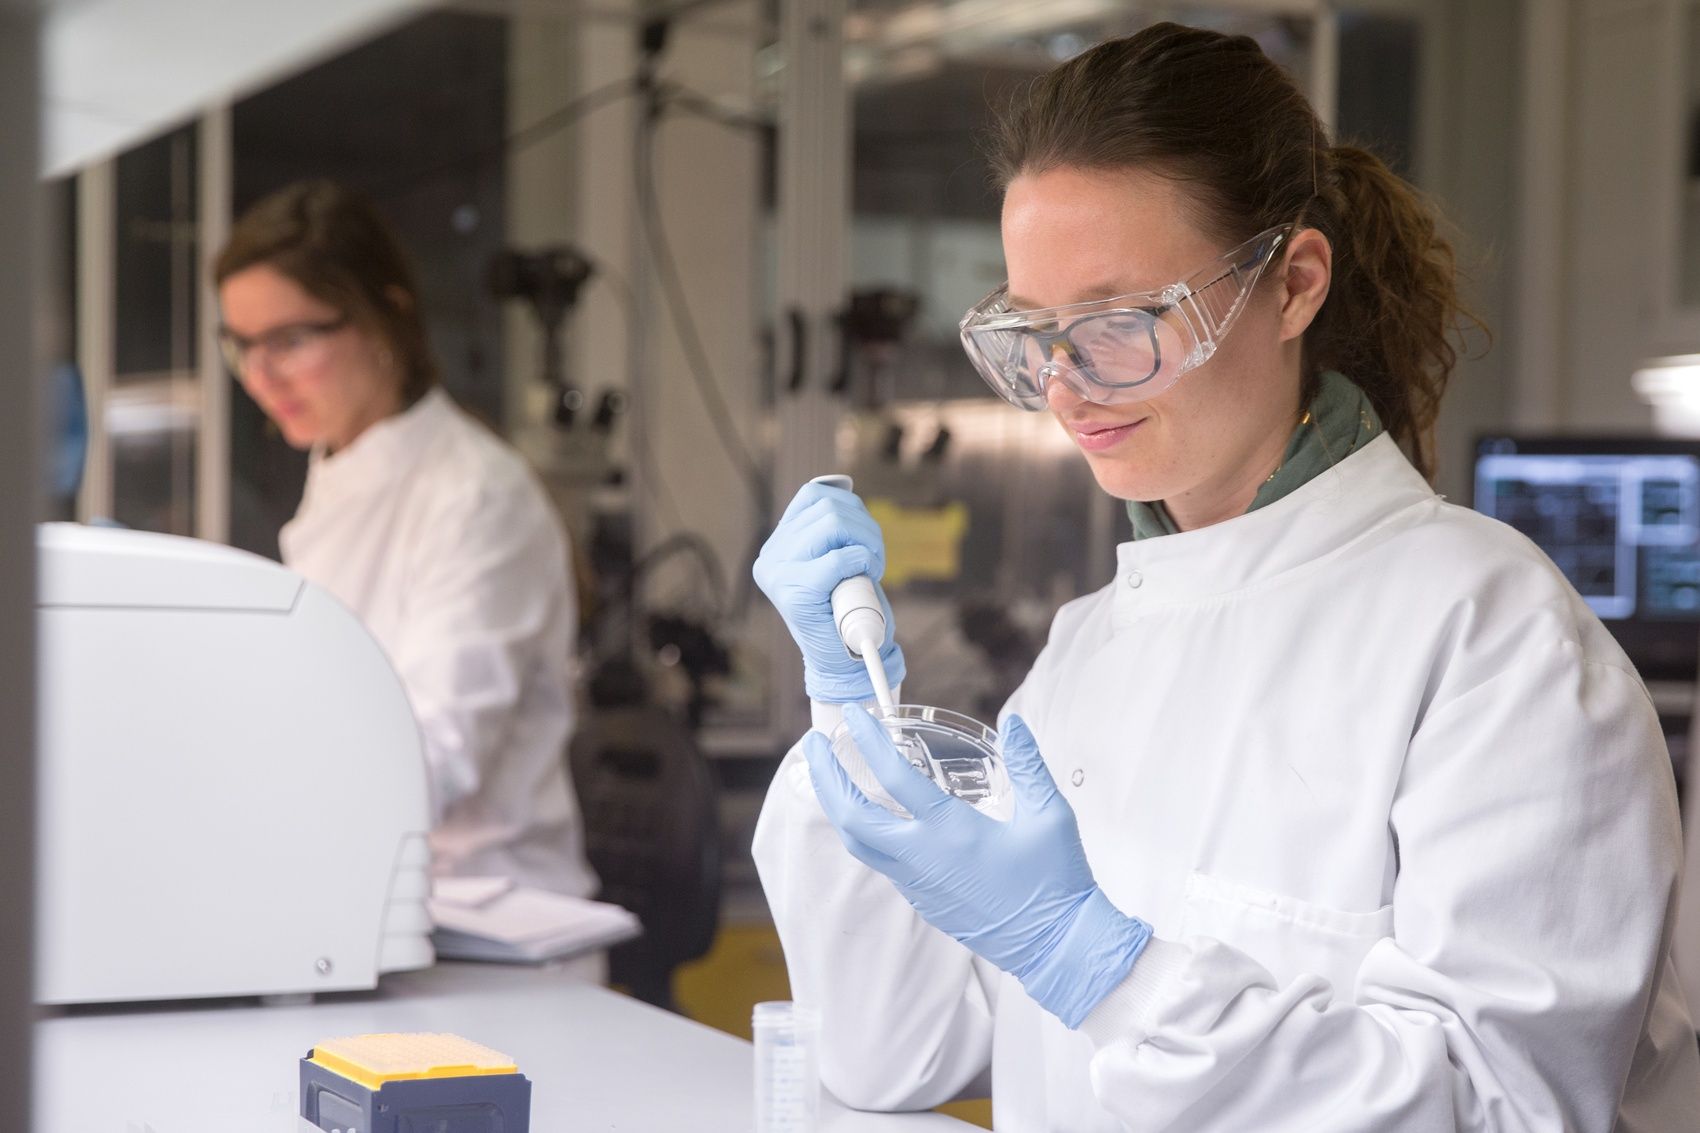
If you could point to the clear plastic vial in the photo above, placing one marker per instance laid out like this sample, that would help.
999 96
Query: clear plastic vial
787 1038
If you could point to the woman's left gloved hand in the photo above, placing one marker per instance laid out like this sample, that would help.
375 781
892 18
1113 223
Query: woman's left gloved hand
1018 893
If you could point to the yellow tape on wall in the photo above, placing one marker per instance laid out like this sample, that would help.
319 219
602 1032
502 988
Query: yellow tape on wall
920 542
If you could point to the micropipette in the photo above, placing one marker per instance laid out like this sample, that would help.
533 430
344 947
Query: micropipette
857 613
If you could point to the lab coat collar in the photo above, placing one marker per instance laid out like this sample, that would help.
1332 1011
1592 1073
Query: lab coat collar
1330 511
382 455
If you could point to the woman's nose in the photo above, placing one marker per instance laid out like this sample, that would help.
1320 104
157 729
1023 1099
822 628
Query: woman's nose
259 368
1059 395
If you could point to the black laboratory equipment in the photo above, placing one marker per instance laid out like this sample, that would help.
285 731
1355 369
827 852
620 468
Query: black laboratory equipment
872 331
548 280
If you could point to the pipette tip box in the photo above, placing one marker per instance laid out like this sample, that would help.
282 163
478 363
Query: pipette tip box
402 1082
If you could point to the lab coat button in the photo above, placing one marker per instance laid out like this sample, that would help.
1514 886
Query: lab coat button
1135 580
1078 777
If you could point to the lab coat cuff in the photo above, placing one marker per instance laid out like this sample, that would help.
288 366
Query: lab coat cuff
1131 1007
826 715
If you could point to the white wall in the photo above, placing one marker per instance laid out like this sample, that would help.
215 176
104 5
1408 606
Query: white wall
1614 154
1467 142
1595 143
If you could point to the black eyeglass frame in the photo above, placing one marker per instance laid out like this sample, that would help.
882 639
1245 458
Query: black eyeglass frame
235 347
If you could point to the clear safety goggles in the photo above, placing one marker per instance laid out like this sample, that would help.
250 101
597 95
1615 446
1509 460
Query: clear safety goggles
1124 349
286 350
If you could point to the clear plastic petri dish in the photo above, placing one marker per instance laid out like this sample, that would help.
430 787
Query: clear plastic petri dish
958 755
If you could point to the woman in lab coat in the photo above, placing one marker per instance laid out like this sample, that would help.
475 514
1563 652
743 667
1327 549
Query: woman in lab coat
422 521
1337 809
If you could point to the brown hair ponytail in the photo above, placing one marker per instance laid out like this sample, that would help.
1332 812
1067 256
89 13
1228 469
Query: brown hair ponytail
1215 112
1393 306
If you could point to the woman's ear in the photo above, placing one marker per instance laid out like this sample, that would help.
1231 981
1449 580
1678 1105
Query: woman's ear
399 297
1306 271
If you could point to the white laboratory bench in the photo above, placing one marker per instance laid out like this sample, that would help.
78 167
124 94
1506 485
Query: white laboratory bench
596 1059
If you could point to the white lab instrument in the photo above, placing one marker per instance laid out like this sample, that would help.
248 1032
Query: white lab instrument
857 612
787 1078
232 797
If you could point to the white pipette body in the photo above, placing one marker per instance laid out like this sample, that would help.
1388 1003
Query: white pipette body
857 613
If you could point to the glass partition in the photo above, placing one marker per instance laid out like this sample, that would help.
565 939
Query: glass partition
152 410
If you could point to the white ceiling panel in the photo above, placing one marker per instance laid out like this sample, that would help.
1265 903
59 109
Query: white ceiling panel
120 71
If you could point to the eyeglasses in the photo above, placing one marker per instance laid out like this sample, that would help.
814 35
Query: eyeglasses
1124 349
286 350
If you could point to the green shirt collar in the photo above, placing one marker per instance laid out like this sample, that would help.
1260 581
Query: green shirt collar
1340 421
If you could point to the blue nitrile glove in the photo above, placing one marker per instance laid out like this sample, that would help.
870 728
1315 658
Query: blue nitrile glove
1018 893
825 536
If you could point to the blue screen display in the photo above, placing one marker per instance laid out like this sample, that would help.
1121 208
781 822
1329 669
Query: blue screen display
1623 527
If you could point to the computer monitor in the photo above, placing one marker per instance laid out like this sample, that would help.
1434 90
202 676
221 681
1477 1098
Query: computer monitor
1621 518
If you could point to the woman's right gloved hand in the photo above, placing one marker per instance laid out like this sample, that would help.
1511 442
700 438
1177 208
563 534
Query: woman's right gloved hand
826 536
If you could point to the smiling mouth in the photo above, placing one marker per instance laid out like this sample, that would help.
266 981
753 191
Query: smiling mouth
1097 437
1086 430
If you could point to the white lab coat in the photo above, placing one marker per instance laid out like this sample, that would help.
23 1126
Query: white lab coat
438 537
1396 805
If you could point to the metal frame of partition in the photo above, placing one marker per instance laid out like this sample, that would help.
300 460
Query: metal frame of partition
212 485
95 335
20 499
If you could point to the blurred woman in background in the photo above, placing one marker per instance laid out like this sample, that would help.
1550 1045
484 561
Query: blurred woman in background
423 522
